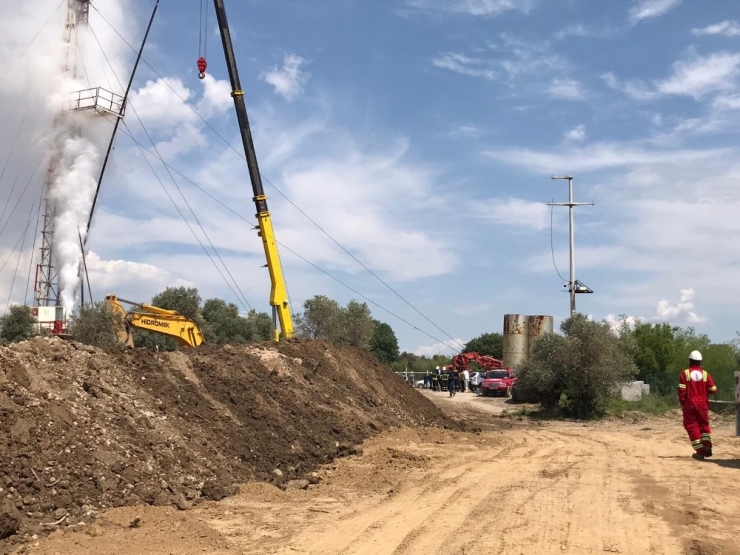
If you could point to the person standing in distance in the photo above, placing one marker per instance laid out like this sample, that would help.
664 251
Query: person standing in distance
695 385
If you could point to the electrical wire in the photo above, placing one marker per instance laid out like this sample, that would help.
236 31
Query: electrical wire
19 56
82 60
552 244
33 247
12 149
17 243
144 149
17 202
208 254
174 181
20 255
241 155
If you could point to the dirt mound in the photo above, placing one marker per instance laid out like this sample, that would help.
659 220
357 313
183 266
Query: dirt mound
83 429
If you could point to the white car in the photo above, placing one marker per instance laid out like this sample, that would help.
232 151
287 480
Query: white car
476 378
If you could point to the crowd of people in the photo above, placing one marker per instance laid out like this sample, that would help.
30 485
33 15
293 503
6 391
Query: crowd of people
453 381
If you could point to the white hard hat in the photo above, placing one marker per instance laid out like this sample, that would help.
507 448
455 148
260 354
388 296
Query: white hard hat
695 355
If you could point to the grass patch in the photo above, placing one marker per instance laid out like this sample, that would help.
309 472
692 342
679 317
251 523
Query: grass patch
535 412
651 404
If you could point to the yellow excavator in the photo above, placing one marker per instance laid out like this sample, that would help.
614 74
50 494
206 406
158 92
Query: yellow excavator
158 320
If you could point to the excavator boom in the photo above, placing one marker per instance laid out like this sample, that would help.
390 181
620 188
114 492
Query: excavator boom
182 329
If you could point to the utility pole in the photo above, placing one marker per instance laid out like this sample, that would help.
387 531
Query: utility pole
574 286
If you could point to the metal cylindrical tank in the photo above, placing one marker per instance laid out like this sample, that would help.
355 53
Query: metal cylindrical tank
515 340
536 327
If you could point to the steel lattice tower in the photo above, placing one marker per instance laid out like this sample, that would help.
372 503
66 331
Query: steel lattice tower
97 100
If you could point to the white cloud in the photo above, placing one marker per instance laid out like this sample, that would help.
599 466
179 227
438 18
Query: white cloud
289 80
475 7
683 310
517 62
567 89
585 31
578 133
727 102
459 63
634 89
616 322
448 348
647 9
466 131
599 156
725 28
515 213
697 75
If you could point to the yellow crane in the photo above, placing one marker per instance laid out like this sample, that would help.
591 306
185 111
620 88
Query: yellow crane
278 292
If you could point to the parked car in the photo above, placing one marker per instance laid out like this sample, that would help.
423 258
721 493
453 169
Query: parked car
498 382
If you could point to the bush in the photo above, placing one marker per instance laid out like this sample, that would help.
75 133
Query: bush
575 374
17 324
96 325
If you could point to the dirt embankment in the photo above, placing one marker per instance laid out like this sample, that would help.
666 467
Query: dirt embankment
83 430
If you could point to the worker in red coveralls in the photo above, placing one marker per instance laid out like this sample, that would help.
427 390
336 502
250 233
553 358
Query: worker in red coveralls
695 385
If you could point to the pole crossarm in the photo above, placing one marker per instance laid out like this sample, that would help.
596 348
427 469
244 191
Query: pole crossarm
574 286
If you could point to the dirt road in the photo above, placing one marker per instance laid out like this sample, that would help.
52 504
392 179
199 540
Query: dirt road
620 486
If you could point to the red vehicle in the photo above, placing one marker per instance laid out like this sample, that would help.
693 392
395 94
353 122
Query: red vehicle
463 361
498 382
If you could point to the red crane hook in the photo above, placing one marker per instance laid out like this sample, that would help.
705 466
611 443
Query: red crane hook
202 65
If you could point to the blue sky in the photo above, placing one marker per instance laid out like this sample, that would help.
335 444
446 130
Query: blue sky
421 134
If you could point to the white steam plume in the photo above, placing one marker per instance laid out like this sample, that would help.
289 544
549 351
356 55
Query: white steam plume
43 73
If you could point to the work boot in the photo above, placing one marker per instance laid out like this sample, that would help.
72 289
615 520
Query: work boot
699 456
708 451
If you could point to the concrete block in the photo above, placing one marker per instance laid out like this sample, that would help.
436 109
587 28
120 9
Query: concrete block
631 391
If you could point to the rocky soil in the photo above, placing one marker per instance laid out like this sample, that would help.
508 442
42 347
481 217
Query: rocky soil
83 429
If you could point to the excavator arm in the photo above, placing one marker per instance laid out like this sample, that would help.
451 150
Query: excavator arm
158 320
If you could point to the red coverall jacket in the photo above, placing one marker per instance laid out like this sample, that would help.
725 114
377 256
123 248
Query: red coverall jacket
694 387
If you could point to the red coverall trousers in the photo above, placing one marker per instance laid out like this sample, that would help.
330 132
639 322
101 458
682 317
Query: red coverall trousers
694 387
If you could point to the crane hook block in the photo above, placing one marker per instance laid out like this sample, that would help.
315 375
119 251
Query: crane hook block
202 65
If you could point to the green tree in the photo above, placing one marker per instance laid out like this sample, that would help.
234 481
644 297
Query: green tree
320 319
655 347
383 343
576 373
222 323
96 325
491 344
17 324
186 301
356 326
260 325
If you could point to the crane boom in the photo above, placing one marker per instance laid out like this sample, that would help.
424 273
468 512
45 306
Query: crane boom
278 292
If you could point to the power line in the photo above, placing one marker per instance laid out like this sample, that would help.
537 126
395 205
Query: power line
552 245
205 250
143 149
154 146
241 155
17 202
19 56
33 248
20 255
